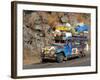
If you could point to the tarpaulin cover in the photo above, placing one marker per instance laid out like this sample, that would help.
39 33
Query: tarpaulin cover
82 28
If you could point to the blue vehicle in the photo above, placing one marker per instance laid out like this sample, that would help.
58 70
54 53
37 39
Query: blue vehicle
74 46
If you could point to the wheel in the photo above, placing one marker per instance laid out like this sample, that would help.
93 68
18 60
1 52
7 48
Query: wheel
60 57
82 54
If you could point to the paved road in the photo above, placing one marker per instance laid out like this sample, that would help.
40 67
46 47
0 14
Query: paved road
85 61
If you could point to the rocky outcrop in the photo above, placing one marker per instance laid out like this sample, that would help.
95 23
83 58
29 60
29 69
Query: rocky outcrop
38 30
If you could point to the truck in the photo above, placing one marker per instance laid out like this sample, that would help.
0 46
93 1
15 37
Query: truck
73 47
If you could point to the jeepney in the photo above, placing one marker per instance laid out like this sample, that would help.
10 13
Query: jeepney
73 46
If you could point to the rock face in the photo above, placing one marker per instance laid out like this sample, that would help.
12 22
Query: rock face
36 36
37 31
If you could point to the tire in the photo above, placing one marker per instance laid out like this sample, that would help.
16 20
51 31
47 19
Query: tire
60 57
82 54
